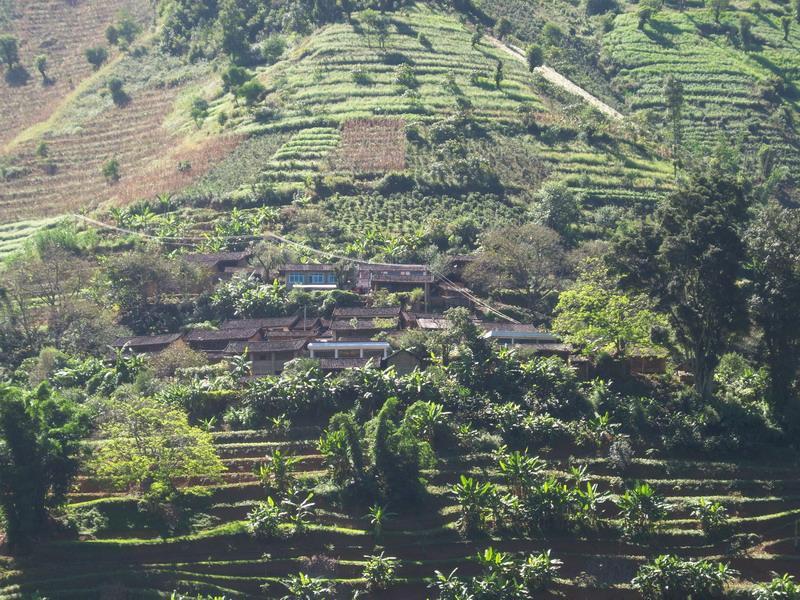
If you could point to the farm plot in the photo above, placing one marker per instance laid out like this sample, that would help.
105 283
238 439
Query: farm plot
371 146
728 90
61 31
302 156
14 235
223 558
70 176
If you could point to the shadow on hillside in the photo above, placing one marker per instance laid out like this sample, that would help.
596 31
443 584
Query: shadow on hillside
17 76
657 31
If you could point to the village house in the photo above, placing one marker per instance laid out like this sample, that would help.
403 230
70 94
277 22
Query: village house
223 264
394 278
263 325
215 341
267 357
527 336
308 276
146 344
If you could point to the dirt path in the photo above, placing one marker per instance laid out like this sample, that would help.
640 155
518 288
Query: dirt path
558 79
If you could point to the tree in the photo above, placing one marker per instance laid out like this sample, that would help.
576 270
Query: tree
9 50
535 56
498 74
596 317
118 95
773 244
137 281
110 171
96 56
797 10
252 91
718 7
199 111
477 36
233 24
556 206
688 258
147 446
645 13
502 28
234 77
673 95
40 446
530 257
786 24
40 62
746 31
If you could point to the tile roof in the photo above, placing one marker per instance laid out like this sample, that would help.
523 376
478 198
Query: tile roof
201 335
338 364
345 312
362 324
146 340
213 258
306 267
270 346
264 323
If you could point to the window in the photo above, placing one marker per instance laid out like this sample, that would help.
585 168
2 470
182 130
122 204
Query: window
317 278
295 278
331 277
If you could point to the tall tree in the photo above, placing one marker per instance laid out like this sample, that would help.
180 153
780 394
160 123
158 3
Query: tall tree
689 259
40 441
773 243
673 95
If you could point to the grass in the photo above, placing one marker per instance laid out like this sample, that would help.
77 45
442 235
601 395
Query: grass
722 80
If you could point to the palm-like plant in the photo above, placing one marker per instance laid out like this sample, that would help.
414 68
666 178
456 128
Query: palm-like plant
587 501
641 508
521 472
278 473
303 587
300 509
475 499
378 515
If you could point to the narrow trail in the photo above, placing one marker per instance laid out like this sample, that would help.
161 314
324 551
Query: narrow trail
558 79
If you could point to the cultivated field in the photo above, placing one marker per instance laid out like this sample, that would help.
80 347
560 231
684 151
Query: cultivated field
222 558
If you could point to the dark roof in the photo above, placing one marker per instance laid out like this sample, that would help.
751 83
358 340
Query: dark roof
214 258
142 341
360 324
265 323
515 327
391 268
271 346
306 267
202 335
307 324
378 311
401 278
338 364
295 334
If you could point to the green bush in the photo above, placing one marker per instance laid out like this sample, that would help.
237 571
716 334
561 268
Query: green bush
668 577
264 520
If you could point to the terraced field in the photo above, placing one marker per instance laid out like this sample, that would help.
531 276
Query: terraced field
727 88
764 503
14 235
62 31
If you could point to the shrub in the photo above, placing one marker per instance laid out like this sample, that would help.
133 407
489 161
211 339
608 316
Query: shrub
781 587
273 48
404 76
110 170
475 500
423 40
96 56
118 94
264 520
598 7
538 571
713 517
379 571
360 76
641 507
9 50
303 587
668 577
